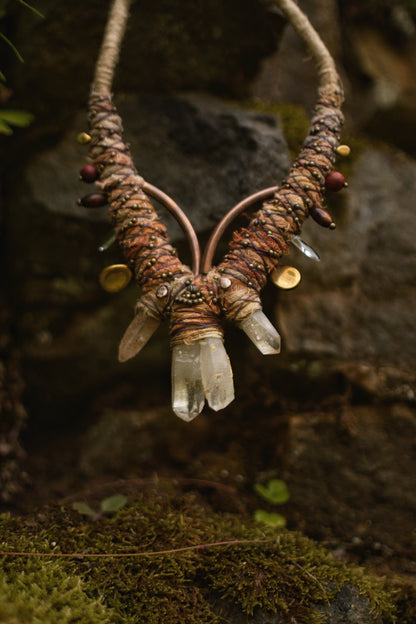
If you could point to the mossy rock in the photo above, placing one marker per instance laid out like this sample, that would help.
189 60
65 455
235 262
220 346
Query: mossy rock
190 564
42 591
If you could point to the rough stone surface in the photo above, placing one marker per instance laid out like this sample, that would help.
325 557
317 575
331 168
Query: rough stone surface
374 45
349 607
355 468
121 439
204 153
12 420
181 45
356 304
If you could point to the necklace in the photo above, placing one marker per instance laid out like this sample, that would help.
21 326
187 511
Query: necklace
197 300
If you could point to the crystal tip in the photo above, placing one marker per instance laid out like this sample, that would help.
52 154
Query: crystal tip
200 370
261 332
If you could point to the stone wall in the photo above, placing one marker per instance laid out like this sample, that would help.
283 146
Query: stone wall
352 310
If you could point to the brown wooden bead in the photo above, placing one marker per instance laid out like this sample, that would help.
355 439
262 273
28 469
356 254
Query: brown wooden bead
88 173
335 181
94 200
322 217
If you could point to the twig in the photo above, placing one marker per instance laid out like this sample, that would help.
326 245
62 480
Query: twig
152 553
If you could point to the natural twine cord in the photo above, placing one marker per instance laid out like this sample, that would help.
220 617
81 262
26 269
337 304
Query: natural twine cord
117 22
110 47
195 304
328 75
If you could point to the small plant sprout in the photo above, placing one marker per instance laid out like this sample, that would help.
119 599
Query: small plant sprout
17 118
107 506
271 518
10 118
274 492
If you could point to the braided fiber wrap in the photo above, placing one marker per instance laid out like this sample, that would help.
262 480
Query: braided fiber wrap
255 250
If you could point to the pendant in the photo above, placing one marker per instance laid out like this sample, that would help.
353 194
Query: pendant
196 300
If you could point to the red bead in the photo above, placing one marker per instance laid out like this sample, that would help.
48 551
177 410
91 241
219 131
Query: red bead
322 217
94 200
335 181
88 173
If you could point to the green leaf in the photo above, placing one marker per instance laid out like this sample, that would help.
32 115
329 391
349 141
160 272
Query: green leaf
84 509
13 47
270 518
5 129
275 491
16 117
113 503
29 6
2 77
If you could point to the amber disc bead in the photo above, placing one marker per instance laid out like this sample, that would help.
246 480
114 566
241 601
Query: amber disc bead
335 181
94 200
88 173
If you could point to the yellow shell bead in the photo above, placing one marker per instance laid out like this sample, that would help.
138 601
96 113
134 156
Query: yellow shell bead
343 150
115 277
285 277
83 138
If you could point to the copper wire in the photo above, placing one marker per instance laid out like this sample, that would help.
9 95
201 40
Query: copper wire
222 226
181 218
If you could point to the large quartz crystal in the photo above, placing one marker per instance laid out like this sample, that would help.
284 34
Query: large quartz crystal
305 248
261 332
187 392
200 370
142 327
216 373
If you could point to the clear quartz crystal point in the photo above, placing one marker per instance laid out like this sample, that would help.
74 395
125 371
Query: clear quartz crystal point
216 373
305 248
142 327
187 392
261 332
107 244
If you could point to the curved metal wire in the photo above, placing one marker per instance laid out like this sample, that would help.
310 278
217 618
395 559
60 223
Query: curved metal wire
217 234
181 218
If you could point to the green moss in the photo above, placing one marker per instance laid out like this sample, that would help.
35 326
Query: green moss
404 591
287 574
38 590
293 118
295 125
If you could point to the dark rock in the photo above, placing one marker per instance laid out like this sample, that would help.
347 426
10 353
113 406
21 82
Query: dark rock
120 440
349 607
206 154
185 45
13 415
289 75
357 472
359 300
374 46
